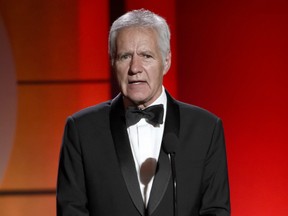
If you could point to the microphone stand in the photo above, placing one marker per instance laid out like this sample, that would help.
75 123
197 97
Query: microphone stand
174 182
170 144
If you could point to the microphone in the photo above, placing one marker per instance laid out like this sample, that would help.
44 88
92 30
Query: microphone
170 144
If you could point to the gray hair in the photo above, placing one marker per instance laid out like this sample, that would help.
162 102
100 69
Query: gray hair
141 18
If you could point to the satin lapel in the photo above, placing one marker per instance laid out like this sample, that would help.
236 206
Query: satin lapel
125 157
160 183
163 172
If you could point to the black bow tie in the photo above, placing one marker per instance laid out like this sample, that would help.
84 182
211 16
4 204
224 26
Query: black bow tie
152 114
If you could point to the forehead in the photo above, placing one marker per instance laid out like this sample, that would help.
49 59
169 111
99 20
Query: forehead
131 36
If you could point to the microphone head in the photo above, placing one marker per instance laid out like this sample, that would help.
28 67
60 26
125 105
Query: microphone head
170 143
147 170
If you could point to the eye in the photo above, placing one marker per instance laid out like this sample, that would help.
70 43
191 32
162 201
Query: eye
147 56
124 56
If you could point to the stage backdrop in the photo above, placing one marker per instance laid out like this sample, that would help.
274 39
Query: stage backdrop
228 57
56 63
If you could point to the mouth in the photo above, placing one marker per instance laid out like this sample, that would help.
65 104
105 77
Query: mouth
136 82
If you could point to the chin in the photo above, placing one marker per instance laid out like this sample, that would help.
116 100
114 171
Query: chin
137 99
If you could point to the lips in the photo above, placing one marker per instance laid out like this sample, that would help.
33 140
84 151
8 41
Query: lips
136 81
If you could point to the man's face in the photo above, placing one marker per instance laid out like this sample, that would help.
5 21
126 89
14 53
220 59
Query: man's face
138 65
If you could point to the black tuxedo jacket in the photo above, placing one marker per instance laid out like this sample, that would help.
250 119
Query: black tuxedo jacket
97 175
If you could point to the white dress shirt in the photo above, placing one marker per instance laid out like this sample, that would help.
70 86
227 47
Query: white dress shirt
145 141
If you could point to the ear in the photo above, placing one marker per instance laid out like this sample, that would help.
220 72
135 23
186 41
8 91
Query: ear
167 63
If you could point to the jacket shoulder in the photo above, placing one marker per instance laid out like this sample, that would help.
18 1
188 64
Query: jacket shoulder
92 111
197 112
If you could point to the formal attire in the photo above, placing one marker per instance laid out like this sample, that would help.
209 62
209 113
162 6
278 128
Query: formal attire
98 173
145 141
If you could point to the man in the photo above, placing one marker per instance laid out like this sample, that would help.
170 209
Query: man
115 164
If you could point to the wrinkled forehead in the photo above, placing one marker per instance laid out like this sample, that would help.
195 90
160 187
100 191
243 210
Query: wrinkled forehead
145 30
140 35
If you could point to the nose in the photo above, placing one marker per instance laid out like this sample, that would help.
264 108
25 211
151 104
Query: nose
135 65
